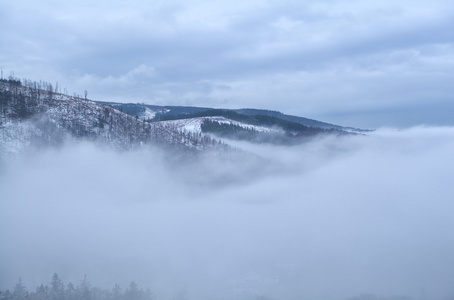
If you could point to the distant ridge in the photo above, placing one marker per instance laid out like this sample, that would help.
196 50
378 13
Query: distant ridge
138 109
34 114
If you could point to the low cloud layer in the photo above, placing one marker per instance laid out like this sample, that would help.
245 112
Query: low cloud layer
330 219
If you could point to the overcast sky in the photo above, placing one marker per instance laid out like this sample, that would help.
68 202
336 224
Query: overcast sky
356 63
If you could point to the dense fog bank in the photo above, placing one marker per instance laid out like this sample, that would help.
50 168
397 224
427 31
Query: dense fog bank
330 219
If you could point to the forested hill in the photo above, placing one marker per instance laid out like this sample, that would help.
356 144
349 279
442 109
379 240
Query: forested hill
37 114
33 114
252 125
251 119
156 113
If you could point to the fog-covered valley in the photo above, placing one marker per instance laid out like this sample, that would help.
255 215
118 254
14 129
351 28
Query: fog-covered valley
333 218
221 150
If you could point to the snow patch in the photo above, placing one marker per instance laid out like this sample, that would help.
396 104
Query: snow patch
194 125
148 114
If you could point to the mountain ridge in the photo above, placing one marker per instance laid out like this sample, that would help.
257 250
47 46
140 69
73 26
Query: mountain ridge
35 114
173 110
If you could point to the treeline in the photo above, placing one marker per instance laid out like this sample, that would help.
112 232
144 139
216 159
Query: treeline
11 80
21 100
40 85
57 290
278 137
229 130
236 132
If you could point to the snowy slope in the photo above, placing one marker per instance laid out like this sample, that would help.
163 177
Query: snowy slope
194 124
31 117
15 137
148 114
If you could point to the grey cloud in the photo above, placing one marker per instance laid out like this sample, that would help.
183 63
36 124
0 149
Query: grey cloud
196 44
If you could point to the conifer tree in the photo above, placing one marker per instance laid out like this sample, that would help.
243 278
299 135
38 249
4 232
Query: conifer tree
20 292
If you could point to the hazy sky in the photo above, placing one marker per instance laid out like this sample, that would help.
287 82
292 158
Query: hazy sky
357 63
327 220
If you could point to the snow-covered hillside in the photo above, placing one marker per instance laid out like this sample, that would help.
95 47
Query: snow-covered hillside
31 116
195 124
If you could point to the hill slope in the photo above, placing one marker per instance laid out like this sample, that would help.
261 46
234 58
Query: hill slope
257 126
177 112
32 115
